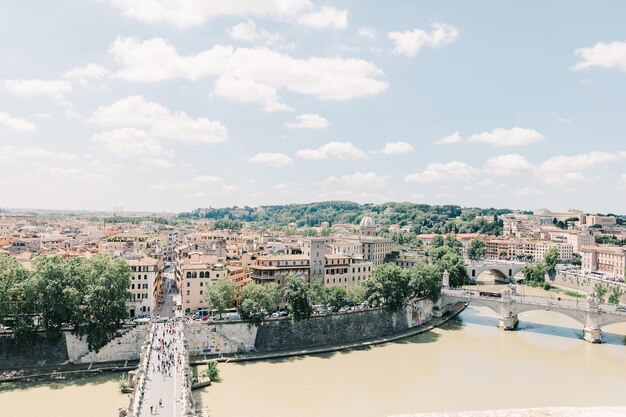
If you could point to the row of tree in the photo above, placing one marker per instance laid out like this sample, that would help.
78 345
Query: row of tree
88 295
423 218
388 285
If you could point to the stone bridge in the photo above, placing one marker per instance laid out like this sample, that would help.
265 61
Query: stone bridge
167 389
502 270
507 304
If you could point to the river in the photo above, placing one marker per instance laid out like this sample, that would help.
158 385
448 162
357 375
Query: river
468 364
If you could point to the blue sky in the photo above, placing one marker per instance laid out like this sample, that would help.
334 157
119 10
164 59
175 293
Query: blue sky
171 105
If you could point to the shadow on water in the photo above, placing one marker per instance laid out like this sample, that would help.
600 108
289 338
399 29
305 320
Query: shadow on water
474 317
62 383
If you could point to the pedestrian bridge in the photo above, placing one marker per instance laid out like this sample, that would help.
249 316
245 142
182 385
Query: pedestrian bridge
162 386
503 271
507 304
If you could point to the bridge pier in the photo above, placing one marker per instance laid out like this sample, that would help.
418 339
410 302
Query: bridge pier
591 332
592 335
508 322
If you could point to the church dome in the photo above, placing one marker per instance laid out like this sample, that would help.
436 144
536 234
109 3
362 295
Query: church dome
367 222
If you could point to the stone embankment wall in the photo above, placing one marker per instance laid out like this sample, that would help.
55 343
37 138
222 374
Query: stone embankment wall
126 346
585 283
37 353
286 334
208 338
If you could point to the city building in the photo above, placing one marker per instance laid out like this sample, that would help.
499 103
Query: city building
608 260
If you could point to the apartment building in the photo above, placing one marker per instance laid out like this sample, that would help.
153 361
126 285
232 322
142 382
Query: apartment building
609 260
144 285
193 275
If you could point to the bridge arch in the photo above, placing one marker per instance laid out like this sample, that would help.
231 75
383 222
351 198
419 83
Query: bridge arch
501 271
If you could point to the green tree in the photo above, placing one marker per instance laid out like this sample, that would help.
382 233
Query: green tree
535 274
59 284
355 293
256 301
103 306
453 263
437 241
615 295
221 295
12 274
317 292
388 284
297 297
601 290
336 297
212 371
577 259
476 249
550 259
425 281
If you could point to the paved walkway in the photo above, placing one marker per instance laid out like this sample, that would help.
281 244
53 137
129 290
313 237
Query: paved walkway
165 373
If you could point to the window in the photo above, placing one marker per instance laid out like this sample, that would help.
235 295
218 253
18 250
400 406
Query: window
188 274
194 275
201 284
200 292
145 277
132 286
201 274
188 284
188 292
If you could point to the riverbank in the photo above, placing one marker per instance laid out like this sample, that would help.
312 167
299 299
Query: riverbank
64 371
68 371
362 344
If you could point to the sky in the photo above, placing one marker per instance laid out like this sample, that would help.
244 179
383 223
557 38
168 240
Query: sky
170 105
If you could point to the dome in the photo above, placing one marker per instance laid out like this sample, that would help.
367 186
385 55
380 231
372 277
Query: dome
367 222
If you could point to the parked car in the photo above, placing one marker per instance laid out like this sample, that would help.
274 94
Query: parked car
621 309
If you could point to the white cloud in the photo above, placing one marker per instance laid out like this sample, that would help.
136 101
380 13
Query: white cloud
248 90
10 153
623 179
308 121
367 32
358 180
516 136
505 165
453 171
410 42
604 55
563 120
135 111
569 170
325 16
187 13
207 179
16 124
271 159
396 148
156 59
85 75
527 192
129 141
157 162
55 89
448 140
339 150
69 174
248 31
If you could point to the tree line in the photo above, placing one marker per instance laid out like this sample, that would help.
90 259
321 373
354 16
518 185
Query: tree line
388 286
87 295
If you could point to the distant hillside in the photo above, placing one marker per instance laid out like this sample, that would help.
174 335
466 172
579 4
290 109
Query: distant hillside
421 217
